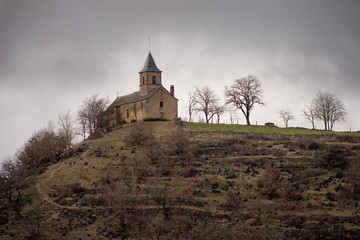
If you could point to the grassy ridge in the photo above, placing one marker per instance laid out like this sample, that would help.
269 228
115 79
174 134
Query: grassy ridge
261 129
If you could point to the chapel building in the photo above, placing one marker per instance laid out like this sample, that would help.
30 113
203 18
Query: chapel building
151 101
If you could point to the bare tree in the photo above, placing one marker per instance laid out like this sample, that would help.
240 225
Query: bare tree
45 146
12 180
33 218
218 110
83 125
232 113
353 174
135 110
140 134
161 197
286 116
67 128
205 99
328 109
191 106
309 114
244 94
91 111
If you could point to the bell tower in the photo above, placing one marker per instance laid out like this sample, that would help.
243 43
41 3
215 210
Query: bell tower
150 76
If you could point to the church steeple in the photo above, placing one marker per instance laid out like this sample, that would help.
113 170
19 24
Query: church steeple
150 65
150 76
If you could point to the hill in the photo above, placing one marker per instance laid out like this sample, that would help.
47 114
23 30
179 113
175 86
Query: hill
158 180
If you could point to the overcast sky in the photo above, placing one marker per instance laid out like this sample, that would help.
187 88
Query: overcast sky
54 54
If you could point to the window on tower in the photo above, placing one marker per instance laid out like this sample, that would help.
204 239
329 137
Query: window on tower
154 79
143 80
161 104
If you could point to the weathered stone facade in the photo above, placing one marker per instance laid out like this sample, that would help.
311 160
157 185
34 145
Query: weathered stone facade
152 101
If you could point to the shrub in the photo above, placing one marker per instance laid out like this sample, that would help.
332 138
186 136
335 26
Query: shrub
335 157
259 183
313 172
76 188
189 172
224 186
156 120
271 180
314 146
140 134
231 174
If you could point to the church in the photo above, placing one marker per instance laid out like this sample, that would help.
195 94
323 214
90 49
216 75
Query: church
152 101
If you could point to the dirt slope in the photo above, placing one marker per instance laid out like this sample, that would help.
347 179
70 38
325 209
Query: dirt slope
178 184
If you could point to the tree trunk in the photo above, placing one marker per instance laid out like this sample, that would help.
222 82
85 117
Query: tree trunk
248 120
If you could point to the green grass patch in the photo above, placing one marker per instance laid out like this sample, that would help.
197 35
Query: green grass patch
261 129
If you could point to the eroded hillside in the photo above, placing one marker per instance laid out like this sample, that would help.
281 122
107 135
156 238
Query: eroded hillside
161 181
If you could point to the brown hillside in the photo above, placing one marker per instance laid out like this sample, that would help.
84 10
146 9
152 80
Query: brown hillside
161 181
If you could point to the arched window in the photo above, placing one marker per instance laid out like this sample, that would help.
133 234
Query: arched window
154 79
143 80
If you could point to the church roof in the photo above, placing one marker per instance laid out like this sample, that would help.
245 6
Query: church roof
132 98
150 65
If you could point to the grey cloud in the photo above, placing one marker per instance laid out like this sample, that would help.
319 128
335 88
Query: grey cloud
66 50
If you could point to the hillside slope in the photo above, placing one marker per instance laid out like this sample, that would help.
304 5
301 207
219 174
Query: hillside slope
161 181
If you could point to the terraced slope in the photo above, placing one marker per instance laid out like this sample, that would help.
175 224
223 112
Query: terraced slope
161 181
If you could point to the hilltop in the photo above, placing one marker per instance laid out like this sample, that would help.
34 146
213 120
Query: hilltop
160 180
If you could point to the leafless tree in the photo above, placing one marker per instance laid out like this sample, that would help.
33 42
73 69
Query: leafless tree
309 114
191 106
140 134
286 116
244 94
217 110
45 146
353 174
83 125
33 219
67 128
135 110
91 111
161 197
205 99
232 113
328 109
12 179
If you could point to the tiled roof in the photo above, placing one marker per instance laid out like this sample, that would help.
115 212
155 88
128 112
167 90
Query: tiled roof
132 98
150 65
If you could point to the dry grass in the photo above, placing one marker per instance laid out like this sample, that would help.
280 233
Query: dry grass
196 185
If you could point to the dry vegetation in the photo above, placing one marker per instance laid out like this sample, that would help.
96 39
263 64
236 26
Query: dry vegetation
162 181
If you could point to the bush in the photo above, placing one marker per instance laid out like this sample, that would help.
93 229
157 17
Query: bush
313 172
156 120
76 188
335 157
189 172
224 186
139 135
259 183
314 146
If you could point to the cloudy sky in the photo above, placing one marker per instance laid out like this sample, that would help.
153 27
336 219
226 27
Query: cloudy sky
54 54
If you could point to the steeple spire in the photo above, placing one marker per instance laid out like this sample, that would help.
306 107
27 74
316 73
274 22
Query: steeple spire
150 65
